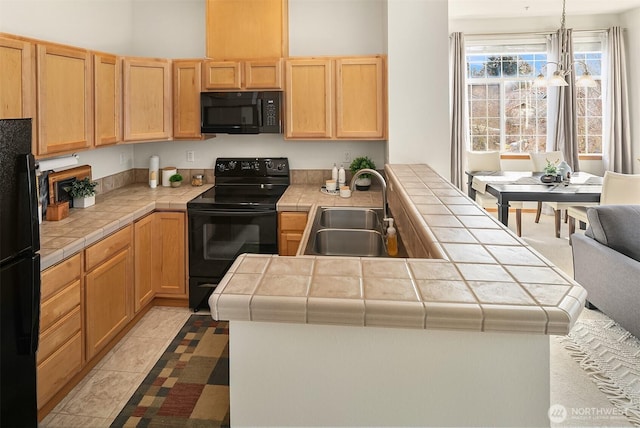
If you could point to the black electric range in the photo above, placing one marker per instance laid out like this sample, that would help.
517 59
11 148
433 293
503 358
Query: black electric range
238 215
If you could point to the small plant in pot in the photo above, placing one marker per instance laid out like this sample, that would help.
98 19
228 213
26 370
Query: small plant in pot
175 180
550 172
364 181
83 192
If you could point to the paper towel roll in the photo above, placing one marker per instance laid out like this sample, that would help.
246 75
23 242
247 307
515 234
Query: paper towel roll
52 164
167 172
154 166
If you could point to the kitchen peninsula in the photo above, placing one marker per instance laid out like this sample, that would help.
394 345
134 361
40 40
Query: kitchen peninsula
456 334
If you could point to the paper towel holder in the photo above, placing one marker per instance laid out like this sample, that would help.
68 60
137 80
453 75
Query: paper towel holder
57 163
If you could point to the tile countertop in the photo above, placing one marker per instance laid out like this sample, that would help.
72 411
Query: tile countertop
487 279
112 211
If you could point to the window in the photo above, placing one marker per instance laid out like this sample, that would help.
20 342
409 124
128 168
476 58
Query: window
508 114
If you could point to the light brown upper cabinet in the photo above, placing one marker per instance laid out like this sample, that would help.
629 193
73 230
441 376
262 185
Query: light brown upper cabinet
360 98
65 108
108 99
247 29
17 79
186 98
239 75
308 104
335 98
147 99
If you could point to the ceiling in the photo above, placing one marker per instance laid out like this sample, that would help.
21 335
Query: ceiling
479 9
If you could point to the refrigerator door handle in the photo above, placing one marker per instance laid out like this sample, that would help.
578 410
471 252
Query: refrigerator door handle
32 203
29 328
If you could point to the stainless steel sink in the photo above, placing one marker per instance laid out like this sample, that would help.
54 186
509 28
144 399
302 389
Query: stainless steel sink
349 242
349 218
347 231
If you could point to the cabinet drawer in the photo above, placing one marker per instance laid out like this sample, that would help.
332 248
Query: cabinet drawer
60 332
55 371
106 248
293 221
57 277
59 305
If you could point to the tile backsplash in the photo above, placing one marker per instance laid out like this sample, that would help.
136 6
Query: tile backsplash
140 175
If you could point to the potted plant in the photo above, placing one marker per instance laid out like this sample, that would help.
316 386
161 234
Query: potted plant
83 192
175 180
550 172
364 181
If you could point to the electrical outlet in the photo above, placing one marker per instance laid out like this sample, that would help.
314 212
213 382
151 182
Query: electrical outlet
191 156
122 159
347 156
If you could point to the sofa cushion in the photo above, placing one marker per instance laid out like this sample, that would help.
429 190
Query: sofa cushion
617 227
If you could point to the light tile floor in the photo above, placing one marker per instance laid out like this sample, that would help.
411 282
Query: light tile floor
97 400
101 395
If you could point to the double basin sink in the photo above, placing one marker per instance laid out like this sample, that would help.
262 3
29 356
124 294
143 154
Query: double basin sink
347 231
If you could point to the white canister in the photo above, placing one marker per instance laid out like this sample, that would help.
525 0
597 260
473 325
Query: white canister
154 167
167 172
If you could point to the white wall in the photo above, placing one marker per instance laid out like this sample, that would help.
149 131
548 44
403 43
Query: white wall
418 58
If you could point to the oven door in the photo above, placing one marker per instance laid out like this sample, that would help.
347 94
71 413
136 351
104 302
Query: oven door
217 237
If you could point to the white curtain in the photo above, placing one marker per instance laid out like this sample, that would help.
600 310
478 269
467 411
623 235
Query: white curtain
458 102
616 150
562 130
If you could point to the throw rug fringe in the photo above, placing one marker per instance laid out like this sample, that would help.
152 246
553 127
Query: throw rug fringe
189 385
611 356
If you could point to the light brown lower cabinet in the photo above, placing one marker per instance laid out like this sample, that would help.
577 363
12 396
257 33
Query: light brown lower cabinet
160 261
89 298
108 289
60 353
291 226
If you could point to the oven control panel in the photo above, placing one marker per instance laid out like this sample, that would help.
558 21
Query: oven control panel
251 167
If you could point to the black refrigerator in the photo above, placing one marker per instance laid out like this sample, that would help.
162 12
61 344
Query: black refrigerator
20 279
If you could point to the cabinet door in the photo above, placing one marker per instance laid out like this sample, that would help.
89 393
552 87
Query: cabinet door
291 227
147 99
17 79
247 29
186 98
65 108
222 75
107 297
266 74
108 99
169 254
143 262
309 98
360 98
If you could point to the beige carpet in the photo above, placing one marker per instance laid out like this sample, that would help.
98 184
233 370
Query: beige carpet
571 386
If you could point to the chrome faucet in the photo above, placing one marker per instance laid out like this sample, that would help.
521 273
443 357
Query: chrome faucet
360 172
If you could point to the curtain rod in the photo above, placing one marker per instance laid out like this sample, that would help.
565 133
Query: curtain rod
533 33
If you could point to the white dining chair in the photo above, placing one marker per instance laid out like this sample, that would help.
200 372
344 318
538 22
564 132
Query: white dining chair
617 189
490 161
539 161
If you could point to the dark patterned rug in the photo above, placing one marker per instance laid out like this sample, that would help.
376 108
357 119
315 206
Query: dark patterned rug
189 385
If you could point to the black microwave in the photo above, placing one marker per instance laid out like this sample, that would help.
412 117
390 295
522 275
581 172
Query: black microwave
241 112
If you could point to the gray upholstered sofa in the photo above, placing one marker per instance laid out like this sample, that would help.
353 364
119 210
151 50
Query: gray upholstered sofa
606 262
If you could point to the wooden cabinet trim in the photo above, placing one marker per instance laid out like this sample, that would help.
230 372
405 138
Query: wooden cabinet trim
187 85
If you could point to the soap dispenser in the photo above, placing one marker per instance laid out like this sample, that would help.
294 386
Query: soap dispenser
341 177
392 239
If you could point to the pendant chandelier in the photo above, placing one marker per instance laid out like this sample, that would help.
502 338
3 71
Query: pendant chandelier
559 76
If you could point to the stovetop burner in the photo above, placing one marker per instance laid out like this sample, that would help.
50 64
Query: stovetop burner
245 183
